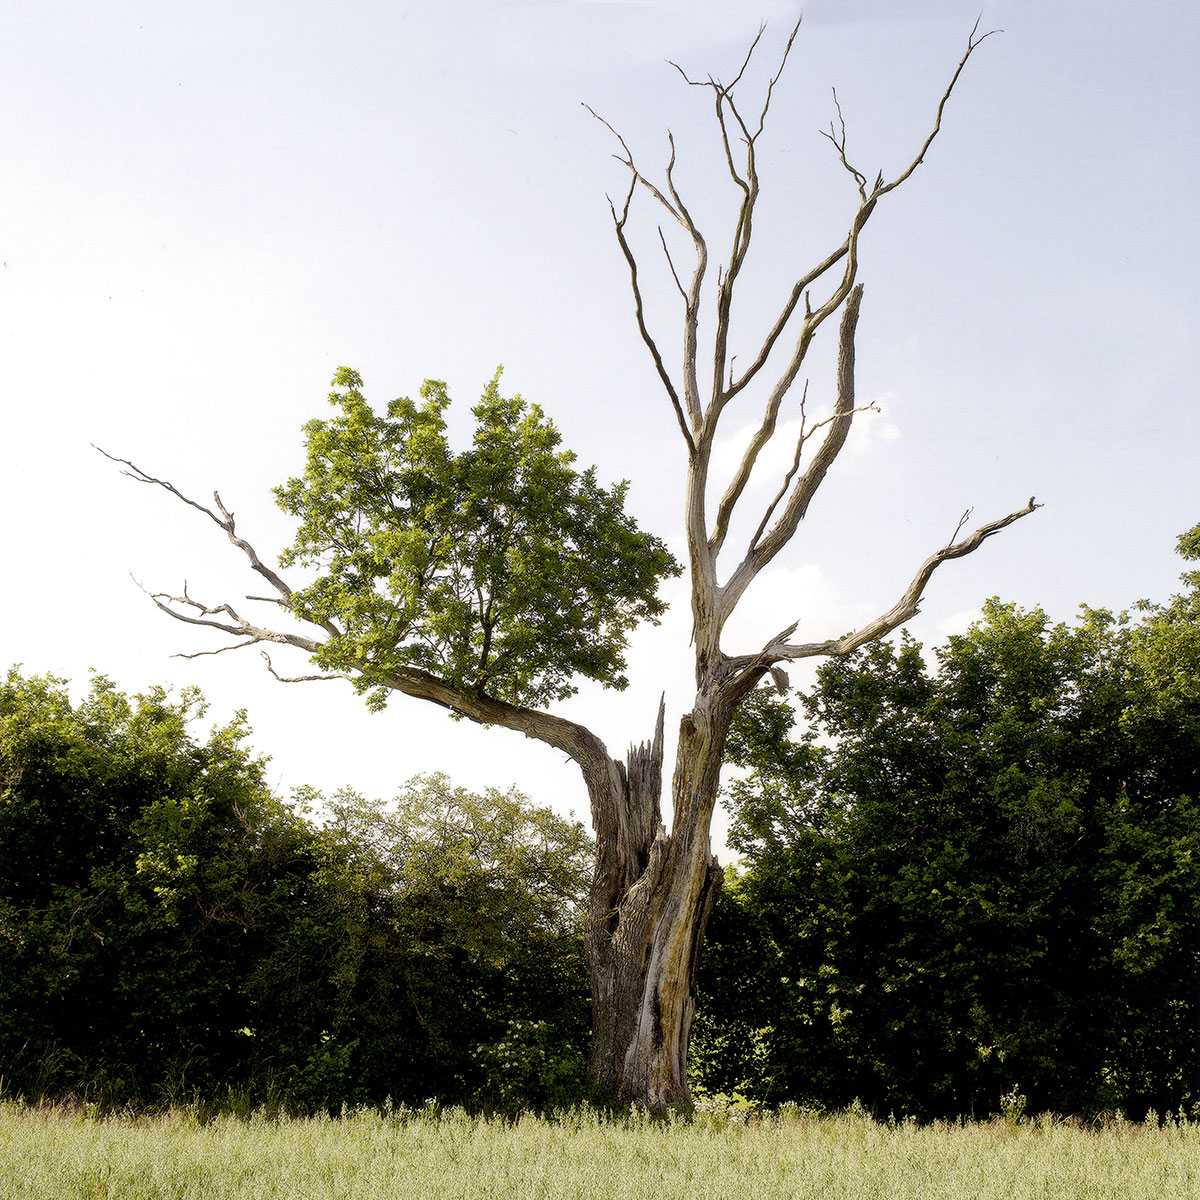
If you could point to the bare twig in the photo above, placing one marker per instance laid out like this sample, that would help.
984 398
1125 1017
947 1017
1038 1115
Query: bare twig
676 207
973 44
805 436
762 116
638 177
225 521
236 625
839 142
848 249
763 549
640 316
671 264
302 678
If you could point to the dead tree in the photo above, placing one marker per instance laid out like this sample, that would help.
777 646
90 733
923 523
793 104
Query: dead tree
653 889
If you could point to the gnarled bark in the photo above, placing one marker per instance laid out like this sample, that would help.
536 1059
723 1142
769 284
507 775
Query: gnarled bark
649 904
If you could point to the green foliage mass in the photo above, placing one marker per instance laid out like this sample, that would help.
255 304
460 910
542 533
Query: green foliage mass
502 569
169 928
964 879
137 865
440 926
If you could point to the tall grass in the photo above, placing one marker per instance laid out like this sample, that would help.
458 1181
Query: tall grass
73 1153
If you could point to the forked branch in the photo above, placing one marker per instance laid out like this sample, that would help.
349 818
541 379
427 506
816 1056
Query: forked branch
762 551
763 548
575 740
868 199
806 434
903 610
225 522
191 611
973 43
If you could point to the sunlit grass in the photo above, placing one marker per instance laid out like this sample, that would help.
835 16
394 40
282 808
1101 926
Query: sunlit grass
66 1153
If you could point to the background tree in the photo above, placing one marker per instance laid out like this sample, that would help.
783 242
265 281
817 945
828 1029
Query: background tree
169 929
440 954
962 881
485 581
139 869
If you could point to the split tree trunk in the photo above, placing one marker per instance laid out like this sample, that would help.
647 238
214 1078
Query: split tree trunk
650 901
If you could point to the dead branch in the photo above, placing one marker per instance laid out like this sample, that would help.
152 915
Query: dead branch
236 625
762 116
226 523
867 203
801 441
839 429
973 44
838 138
745 468
638 177
302 678
710 82
639 313
799 289
903 610
725 108
671 264
763 549
678 209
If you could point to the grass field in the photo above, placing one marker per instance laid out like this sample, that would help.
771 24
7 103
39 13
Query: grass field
69 1153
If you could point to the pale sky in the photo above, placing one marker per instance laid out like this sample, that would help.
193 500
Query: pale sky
205 209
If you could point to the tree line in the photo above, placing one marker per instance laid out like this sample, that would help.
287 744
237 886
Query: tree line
969 874
973 874
170 929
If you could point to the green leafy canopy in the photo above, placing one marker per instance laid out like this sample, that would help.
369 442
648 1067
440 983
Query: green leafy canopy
961 877
502 570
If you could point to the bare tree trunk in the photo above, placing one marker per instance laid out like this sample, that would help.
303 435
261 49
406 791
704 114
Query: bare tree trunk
650 902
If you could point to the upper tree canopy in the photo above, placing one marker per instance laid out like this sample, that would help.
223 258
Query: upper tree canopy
502 570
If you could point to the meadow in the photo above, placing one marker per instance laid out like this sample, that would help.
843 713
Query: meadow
76 1153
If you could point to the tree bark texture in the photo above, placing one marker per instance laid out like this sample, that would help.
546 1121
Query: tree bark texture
651 897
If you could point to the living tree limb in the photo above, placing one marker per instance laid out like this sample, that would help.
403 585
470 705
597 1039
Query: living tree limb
584 747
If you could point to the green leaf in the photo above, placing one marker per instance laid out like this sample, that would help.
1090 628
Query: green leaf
500 569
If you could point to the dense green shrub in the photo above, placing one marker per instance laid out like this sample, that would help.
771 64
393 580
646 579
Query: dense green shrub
972 877
170 928
437 922
138 867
